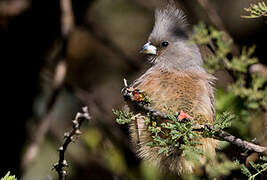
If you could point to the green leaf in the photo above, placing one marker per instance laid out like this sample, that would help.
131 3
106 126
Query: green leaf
8 177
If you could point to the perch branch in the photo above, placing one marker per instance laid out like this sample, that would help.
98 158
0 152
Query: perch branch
70 137
221 135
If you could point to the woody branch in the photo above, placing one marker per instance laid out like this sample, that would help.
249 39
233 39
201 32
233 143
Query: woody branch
70 137
221 135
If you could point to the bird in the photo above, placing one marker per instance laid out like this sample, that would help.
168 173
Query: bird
177 80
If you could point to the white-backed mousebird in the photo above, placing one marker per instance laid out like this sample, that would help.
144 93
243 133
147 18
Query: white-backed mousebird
175 80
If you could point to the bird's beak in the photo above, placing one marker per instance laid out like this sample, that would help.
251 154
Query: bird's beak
148 49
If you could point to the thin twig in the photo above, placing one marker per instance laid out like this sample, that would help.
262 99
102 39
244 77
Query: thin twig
221 135
69 137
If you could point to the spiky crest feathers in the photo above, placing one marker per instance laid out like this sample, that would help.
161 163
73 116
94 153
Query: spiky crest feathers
169 21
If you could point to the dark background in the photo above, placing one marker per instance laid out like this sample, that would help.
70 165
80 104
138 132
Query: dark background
99 52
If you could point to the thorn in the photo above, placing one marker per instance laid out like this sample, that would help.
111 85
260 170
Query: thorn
72 138
75 122
78 115
125 82
85 109
78 132
66 134
65 163
55 166
64 173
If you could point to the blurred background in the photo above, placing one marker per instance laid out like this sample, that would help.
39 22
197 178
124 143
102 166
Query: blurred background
58 56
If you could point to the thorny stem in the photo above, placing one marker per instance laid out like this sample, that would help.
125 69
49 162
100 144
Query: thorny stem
69 137
221 135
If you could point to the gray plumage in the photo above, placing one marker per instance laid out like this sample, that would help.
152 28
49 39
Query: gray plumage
177 81
170 25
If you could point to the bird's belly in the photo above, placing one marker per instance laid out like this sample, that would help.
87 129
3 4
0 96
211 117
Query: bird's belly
169 92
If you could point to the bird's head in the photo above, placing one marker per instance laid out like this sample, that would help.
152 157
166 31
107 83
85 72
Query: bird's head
168 45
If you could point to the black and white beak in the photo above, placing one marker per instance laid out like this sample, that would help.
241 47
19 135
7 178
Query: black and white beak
148 48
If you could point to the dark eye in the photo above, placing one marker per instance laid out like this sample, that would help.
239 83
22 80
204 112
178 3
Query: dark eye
164 44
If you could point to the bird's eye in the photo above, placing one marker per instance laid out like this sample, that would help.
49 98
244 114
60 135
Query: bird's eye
164 44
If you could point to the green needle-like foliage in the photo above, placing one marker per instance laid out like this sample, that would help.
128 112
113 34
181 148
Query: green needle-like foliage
247 95
172 134
123 117
259 168
256 10
252 91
